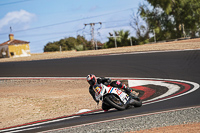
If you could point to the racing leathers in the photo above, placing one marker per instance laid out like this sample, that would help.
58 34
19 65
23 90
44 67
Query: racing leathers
107 81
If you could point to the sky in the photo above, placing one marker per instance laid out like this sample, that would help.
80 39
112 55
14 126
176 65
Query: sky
43 21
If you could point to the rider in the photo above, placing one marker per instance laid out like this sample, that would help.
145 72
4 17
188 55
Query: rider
95 82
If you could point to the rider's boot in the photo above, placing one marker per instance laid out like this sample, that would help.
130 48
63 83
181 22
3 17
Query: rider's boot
135 103
134 100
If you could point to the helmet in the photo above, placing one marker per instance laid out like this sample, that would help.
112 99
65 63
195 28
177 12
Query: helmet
91 79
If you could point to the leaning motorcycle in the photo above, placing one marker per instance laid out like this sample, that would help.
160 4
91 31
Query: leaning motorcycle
116 98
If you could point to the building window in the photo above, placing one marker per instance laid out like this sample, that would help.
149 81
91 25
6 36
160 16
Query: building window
12 53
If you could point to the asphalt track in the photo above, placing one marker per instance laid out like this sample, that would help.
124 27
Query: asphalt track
180 65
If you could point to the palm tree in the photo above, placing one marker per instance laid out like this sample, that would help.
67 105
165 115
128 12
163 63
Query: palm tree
121 39
124 41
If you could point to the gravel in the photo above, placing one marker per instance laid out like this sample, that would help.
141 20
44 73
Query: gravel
177 117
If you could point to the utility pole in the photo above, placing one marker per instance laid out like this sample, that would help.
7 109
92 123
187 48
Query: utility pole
154 35
60 49
183 26
92 32
115 37
96 45
131 41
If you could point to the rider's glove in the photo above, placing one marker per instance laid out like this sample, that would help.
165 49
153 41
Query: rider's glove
108 80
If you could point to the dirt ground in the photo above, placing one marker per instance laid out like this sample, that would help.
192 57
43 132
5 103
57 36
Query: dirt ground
23 101
187 128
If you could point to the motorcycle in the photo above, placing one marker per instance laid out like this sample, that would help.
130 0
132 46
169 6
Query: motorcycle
116 98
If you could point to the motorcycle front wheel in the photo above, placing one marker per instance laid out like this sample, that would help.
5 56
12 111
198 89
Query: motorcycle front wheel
115 102
137 102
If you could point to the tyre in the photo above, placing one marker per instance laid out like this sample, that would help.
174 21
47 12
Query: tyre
137 102
115 102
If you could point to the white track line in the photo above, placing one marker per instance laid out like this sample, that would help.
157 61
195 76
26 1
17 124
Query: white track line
41 123
171 87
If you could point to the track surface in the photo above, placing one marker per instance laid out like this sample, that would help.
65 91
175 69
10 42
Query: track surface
181 65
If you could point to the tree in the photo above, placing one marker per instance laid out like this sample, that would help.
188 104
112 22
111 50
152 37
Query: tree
85 44
121 39
159 22
70 43
124 40
141 28
172 17
50 47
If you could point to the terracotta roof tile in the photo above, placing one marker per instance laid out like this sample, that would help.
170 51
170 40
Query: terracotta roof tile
14 42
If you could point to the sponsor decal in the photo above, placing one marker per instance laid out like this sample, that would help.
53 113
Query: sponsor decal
110 90
98 90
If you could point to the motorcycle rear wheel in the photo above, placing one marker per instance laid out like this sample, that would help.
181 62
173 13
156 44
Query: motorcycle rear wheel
115 102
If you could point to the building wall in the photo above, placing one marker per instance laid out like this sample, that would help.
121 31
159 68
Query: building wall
4 52
19 50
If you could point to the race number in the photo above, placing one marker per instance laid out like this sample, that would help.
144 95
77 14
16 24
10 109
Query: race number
119 92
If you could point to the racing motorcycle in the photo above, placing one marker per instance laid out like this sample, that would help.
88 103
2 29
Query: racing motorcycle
116 98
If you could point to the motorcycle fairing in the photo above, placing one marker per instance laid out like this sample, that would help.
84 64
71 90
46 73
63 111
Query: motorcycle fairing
102 90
